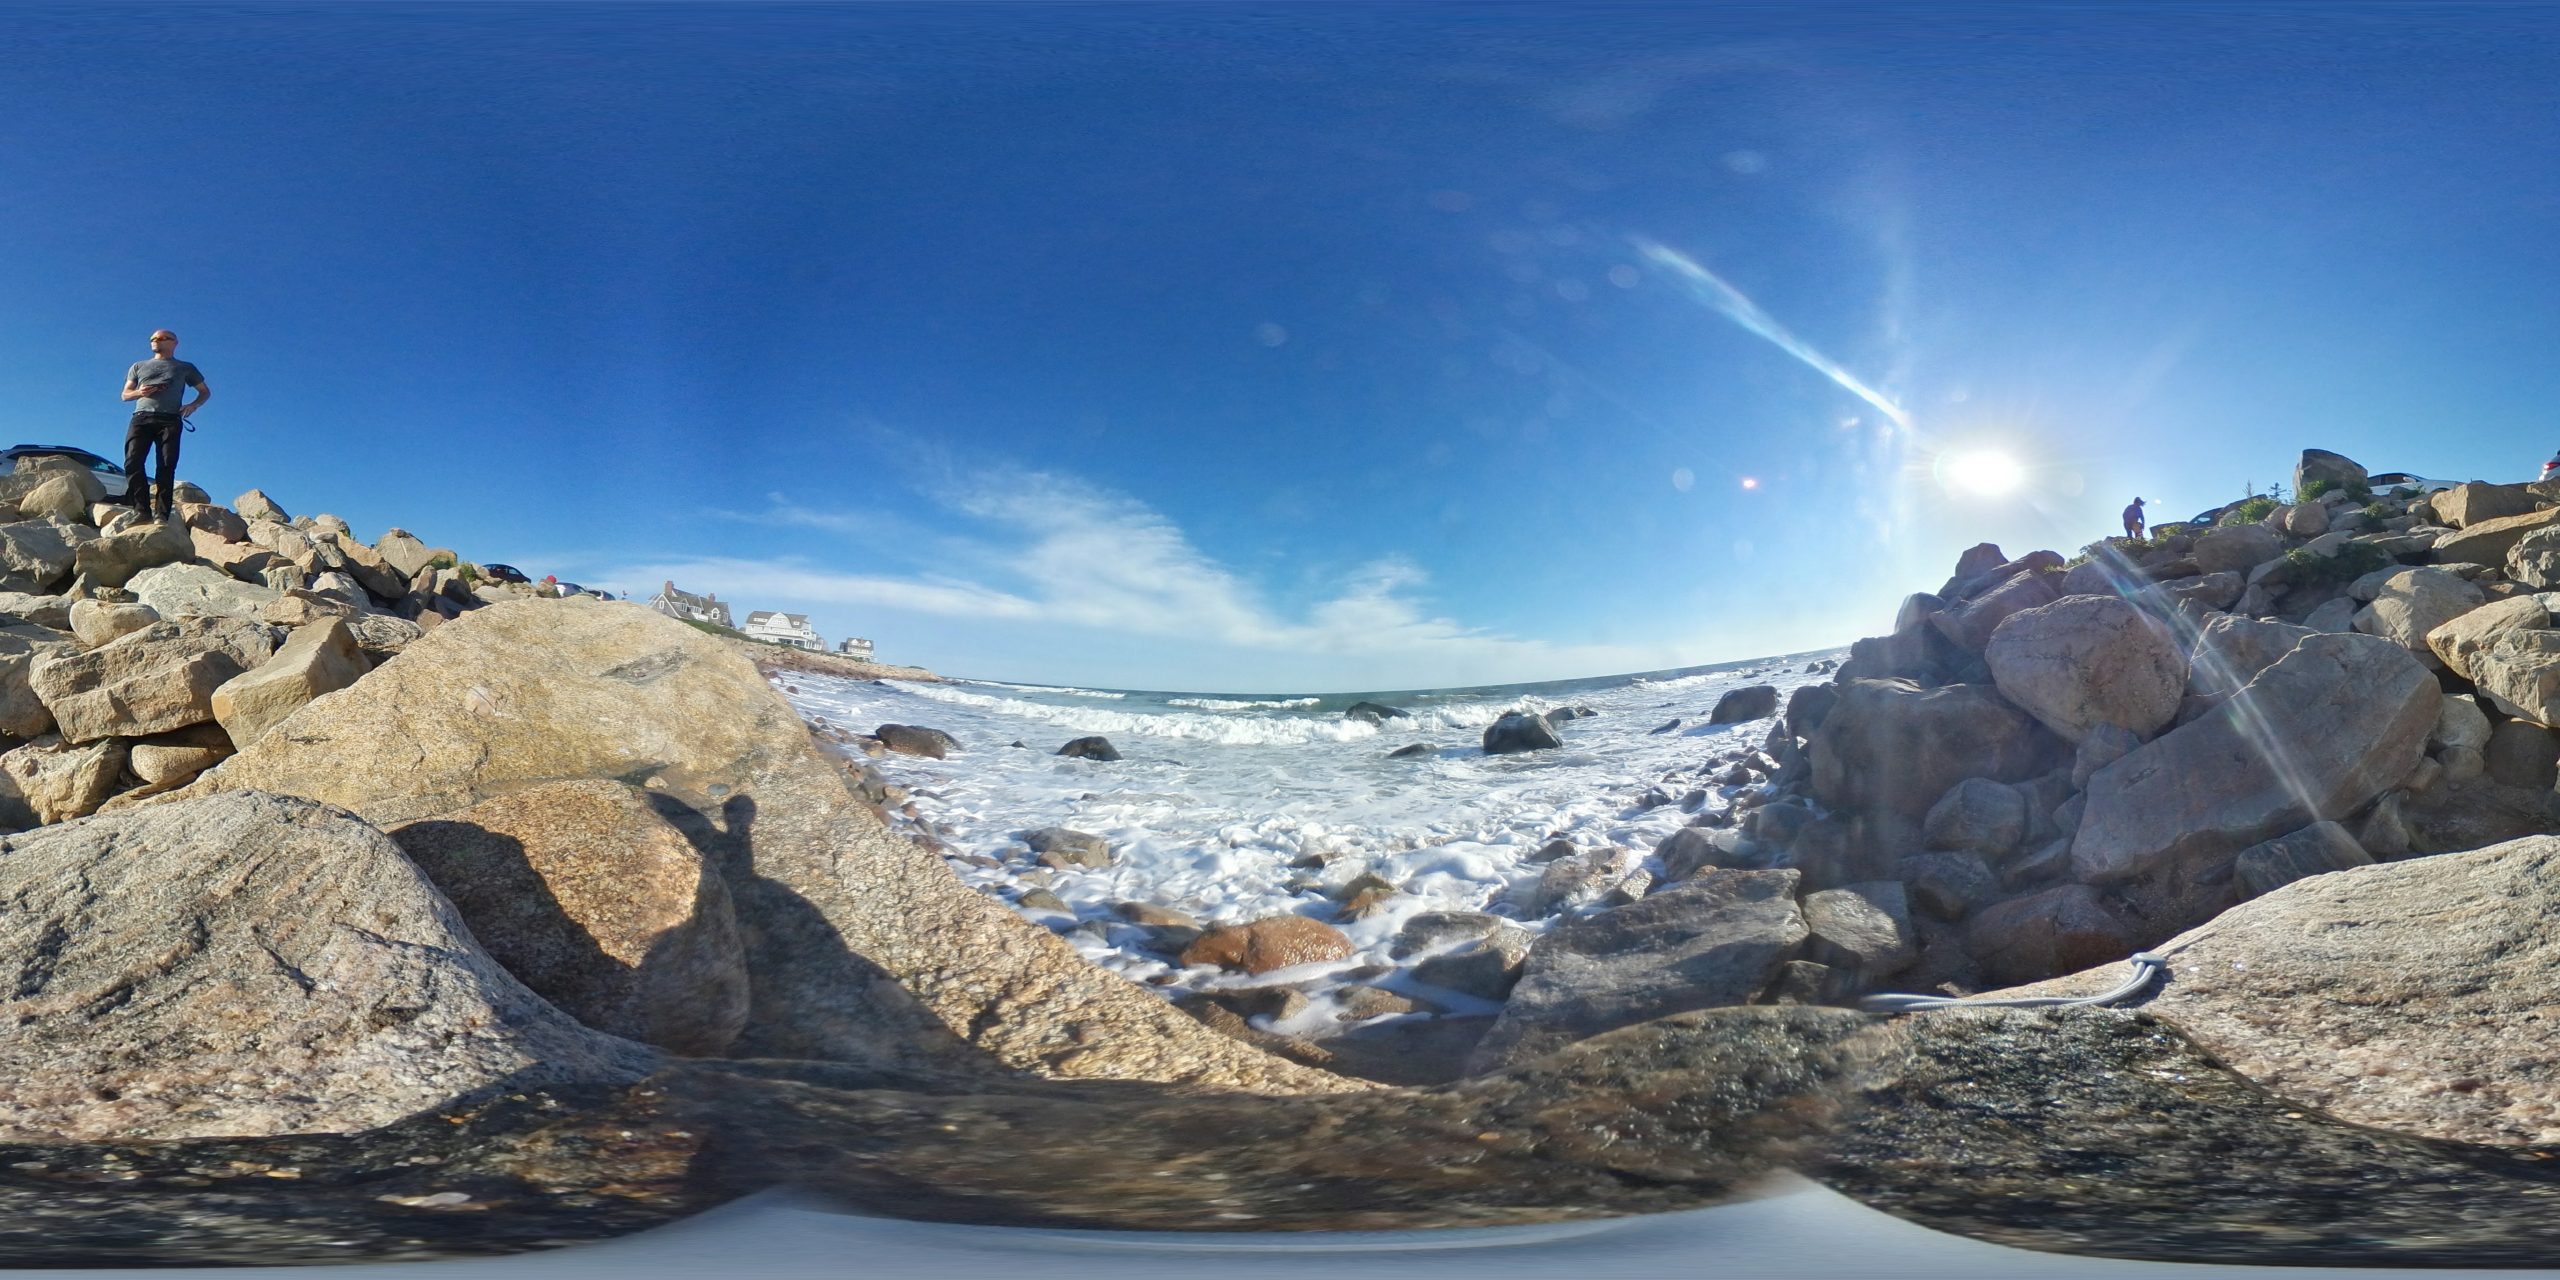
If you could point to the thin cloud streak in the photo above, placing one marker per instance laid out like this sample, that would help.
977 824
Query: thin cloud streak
1065 554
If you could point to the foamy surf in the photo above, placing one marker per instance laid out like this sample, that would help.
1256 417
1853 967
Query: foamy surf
1233 814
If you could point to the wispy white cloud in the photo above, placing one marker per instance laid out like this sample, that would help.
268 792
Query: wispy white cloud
1057 552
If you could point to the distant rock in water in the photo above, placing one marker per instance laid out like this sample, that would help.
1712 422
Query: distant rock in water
915 740
1417 749
1562 714
1754 702
1373 712
1667 726
1275 942
1095 747
1519 731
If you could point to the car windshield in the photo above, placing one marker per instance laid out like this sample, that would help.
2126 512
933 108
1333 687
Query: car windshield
1310 629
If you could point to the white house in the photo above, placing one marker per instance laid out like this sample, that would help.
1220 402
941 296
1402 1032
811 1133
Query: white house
784 628
684 606
855 647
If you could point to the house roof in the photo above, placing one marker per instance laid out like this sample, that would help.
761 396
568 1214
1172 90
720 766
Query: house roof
795 619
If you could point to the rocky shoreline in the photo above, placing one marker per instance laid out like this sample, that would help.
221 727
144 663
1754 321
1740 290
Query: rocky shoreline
358 910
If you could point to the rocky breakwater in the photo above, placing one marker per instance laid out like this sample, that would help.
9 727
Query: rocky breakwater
2052 762
556 923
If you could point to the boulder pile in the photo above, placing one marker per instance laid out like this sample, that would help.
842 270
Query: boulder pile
2052 762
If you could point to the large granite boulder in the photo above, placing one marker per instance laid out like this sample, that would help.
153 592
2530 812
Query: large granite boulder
253 964
861 946
2489 541
2315 850
2315 736
1861 929
220 523
2518 753
600 905
2231 650
2336 470
2084 661
2465 505
2414 602
255 506
1890 744
318 659
402 550
159 678
2236 548
112 560
1970 624
175 590
63 495
1980 816
49 780
1520 731
38 555
2519 673
94 623
1753 702
2414 996
2042 934
2457 641
2535 558
23 713
1719 939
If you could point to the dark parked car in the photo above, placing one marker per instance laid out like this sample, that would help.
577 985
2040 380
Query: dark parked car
504 573
108 473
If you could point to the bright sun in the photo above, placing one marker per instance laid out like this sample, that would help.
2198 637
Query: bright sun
1983 471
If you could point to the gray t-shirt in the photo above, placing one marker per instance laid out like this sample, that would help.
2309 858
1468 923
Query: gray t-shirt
173 377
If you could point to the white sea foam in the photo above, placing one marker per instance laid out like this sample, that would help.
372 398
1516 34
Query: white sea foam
1243 704
1178 725
1210 807
1068 690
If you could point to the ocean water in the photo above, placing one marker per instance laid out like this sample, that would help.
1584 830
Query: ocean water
1220 799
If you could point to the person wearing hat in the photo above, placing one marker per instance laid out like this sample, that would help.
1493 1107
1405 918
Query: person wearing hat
2133 519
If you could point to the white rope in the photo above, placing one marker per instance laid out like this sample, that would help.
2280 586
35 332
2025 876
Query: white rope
2145 966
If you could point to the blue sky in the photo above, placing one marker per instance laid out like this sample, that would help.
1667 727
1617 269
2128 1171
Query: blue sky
1249 348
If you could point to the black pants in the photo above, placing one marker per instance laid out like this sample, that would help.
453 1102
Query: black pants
146 431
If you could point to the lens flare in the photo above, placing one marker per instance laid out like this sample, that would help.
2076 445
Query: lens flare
1988 472
1714 291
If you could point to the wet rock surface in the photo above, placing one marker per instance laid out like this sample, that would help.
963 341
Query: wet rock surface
2102 1132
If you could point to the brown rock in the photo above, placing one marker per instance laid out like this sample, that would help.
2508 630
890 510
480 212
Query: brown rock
1273 942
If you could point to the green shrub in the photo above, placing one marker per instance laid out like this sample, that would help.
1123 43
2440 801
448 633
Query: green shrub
441 560
2351 562
2249 512
715 629
2311 492
2377 512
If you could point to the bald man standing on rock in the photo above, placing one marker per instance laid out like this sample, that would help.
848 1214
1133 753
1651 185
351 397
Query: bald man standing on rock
154 387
